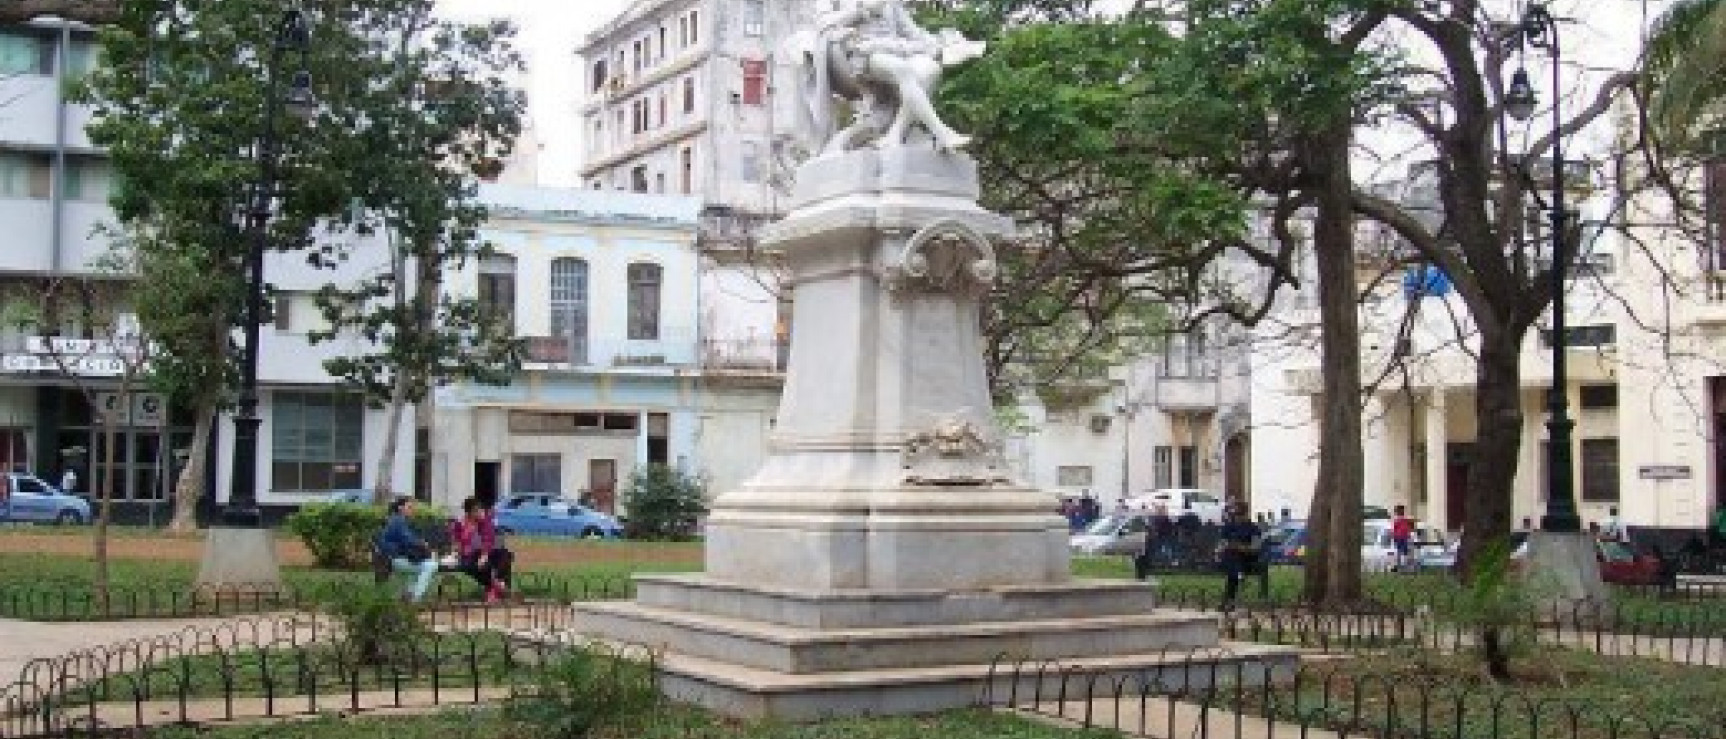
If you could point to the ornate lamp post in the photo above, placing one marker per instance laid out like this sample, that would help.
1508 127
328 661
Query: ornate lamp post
240 552
1538 30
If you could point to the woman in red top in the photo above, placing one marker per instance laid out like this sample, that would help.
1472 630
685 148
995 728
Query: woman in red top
478 552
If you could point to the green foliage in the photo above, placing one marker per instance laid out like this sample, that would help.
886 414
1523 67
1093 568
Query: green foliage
1685 76
584 691
1499 606
378 625
340 535
663 503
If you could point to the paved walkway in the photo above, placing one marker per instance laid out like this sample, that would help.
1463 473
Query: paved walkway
1161 718
23 641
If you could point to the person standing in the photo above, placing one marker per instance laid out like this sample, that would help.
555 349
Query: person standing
406 550
1402 538
69 481
1613 529
5 496
1238 550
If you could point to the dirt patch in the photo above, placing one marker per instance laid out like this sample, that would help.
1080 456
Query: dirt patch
531 554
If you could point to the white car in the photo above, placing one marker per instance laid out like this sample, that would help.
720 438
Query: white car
1208 505
1378 554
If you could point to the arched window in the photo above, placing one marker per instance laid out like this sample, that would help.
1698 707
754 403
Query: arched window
569 305
644 289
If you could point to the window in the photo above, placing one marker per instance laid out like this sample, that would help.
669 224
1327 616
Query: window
683 32
659 183
598 75
637 55
754 17
662 108
25 175
754 82
1073 477
688 95
1598 397
539 473
751 162
1582 337
644 289
1714 206
1189 467
1162 467
569 305
686 170
88 179
497 287
316 441
694 27
638 179
282 312
661 55
22 53
1600 470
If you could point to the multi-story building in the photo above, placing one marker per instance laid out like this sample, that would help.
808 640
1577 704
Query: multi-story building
57 386
602 285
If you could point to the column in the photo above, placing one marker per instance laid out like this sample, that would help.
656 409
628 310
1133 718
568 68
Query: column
1437 462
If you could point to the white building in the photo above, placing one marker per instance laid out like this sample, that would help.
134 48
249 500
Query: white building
53 196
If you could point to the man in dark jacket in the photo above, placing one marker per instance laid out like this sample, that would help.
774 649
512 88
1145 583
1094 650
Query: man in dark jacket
406 550
1238 550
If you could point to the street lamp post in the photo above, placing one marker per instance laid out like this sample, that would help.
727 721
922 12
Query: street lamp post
1539 31
1561 553
240 551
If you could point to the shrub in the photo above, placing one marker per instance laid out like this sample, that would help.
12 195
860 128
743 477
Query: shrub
340 535
663 503
378 625
584 691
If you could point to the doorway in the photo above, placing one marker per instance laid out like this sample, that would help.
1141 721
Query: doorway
485 481
602 484
1235 470
1456 466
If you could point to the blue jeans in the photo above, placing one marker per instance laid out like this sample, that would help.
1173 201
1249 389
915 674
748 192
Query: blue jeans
426 569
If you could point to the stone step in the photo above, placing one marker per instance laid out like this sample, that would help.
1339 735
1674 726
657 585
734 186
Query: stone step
736 690
813 609
797 650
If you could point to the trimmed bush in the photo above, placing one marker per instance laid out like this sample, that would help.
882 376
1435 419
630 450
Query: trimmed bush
340 535
583 693
663 503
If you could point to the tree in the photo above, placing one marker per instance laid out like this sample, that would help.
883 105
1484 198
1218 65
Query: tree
455 118
179 106
83 325
1685 73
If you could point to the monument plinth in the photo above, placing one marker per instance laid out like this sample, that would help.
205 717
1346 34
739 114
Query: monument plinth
883 560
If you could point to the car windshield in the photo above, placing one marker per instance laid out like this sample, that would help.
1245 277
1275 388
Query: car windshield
1106 526
1612 551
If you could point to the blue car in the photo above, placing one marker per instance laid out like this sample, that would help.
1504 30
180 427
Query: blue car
546 515
36 501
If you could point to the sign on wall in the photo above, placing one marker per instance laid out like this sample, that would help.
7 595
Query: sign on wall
1664 472
145 409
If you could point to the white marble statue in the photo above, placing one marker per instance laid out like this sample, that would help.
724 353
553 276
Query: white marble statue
872 54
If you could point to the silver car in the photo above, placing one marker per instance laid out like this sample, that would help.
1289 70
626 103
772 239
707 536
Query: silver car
1116 533
31 499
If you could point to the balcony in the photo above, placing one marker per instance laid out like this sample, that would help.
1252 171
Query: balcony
1189 393
674 348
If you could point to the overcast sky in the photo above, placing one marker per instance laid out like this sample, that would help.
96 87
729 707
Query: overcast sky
550 30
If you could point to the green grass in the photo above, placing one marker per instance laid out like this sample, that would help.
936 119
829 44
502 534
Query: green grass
671 722
1369 694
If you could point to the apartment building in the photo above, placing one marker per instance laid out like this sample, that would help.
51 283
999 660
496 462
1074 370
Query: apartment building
55 393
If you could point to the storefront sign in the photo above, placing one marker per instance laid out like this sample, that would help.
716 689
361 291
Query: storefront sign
96 366
1664 472
145 409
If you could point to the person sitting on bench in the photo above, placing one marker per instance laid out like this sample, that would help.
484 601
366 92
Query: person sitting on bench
406 550
478 552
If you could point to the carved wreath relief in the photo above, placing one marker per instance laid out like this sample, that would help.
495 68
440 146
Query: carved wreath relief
954 452
947 256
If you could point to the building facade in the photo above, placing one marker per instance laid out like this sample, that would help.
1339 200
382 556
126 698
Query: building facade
62 378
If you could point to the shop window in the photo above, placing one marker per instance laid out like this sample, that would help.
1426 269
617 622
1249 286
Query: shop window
317 439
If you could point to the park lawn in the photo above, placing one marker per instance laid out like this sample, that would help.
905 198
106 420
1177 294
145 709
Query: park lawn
671 722
1550 687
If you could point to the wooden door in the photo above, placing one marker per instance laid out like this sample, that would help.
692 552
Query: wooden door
602 484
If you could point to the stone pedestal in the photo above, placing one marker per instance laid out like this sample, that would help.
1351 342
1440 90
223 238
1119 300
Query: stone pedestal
240 560
882 560
1563 570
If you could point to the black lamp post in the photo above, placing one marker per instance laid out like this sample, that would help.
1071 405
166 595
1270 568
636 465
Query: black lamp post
1538 30
293 34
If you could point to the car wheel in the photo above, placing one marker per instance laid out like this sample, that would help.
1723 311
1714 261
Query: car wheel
592 532
68 517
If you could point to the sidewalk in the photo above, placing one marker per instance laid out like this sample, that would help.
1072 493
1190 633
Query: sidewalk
1162 718
23 641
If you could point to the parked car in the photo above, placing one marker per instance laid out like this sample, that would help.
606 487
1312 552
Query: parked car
1286 543
551 515
1378 554
360 497
33 500
1375 513
1116 533
1208 505
1620 563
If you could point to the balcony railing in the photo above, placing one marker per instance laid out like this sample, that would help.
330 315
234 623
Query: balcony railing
671 349
763 355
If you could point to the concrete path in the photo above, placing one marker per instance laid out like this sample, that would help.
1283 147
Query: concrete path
23 641
127 714
1162 718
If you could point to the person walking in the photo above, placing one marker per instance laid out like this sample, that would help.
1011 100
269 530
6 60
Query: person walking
1238 550
406 550
477 550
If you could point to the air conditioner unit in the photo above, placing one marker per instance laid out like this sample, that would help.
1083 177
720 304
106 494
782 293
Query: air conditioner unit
1100 423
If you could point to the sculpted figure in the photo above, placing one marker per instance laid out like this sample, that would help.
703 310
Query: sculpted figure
873 54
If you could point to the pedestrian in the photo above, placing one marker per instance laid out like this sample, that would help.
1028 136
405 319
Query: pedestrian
477 550
1287 515
1121 507
5 497
1401 538
406 550
1238 550
1613 529
1089 510
1159 541
69 481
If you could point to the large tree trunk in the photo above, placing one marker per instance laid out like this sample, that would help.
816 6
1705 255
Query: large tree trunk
1334 523
189 489
383 488
105 502
1497 445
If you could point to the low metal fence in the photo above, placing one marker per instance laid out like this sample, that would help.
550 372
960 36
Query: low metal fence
268 668
1215 694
